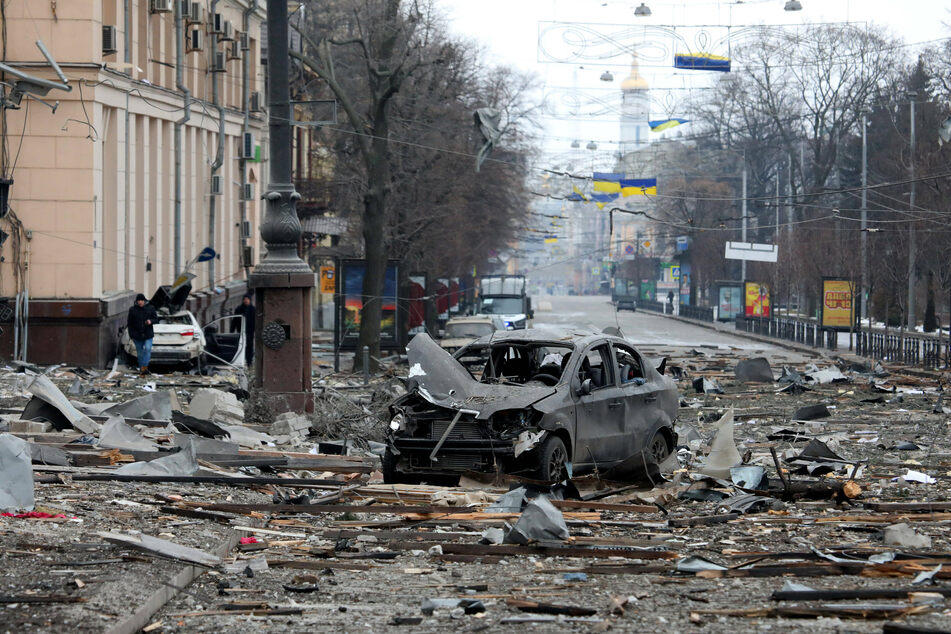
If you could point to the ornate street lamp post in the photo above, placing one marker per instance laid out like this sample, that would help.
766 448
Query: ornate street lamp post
282 282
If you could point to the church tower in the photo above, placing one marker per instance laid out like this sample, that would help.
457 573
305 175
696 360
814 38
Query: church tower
635 111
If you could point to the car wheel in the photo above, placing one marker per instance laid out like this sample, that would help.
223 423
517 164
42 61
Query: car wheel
552 460
659 448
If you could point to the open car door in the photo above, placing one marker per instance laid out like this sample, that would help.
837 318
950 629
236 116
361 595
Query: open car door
225 342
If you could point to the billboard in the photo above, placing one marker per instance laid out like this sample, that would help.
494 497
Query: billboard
350 305
837 307
729 302
453 295
417 303
441 291
757 300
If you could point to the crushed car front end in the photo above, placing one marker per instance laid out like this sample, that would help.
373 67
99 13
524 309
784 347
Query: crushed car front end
426 439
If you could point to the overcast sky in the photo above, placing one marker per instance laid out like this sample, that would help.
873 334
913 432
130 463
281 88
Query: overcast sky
509 31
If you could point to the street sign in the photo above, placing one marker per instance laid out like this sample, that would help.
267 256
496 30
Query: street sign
629 249
595 270
328 279
647 244
675 272
751 251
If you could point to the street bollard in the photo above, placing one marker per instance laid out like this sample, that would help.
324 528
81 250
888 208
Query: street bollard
366 365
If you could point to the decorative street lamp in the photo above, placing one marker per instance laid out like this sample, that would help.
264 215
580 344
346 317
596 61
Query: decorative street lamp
793 5
642 11
607 76
282 282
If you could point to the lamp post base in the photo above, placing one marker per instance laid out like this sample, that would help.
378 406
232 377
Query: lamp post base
282 341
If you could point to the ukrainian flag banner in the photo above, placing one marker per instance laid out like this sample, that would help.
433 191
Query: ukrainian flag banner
702 61
607 182
577 196
666 124
551 239
638 187
602 199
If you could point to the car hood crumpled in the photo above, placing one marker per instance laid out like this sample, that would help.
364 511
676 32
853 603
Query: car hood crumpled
443 381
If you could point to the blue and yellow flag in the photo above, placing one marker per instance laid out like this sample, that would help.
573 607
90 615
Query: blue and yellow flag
702 61
665 124
551 239
639 187
602 199
576 195
607 182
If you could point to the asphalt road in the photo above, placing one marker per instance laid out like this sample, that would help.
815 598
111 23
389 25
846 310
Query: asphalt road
650 331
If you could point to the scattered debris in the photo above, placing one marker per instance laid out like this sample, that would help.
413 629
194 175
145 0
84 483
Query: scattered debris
16 474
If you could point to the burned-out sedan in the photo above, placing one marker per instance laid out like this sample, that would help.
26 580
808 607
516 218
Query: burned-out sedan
543 404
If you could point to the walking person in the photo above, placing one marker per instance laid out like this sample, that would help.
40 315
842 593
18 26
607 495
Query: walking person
246 309
142 316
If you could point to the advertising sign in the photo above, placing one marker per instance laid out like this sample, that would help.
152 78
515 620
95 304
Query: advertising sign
350 304
757 300
730 302
454 292
442 298
837 308
417 303
328 279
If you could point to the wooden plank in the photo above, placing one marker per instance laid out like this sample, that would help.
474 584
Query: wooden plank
311 564
547 551
854 593
701 520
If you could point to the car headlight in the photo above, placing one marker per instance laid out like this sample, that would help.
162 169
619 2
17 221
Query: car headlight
398 422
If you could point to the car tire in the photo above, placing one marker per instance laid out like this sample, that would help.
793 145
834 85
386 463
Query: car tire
552 460
659 448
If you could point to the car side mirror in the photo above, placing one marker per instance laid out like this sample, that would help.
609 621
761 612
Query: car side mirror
585 388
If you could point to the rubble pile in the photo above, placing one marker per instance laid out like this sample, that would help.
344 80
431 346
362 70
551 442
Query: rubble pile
808 494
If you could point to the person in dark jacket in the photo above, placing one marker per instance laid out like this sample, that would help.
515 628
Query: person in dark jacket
141 318
246 310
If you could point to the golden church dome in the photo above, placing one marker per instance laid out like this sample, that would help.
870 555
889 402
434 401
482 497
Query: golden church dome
634 81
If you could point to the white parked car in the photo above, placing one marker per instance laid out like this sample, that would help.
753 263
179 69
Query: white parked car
181 340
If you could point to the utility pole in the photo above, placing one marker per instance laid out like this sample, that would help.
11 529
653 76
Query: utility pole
776 210
282 282
743 262
863 292
912 322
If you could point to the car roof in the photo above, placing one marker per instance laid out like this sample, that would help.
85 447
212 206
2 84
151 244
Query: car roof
468 320
576 337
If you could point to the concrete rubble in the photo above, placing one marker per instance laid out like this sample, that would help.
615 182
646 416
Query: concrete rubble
825 508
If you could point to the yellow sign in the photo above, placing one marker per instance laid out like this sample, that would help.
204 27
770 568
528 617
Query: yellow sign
837 306
757 300
328 279
647 244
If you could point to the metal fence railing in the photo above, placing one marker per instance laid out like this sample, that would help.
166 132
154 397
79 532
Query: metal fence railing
911 349
702 313
929 352
804 332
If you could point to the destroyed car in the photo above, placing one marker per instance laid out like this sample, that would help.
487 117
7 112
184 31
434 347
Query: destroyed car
181 340
463 330
543 404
